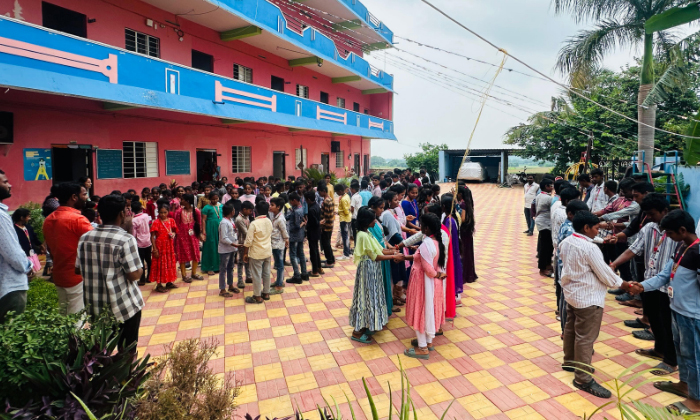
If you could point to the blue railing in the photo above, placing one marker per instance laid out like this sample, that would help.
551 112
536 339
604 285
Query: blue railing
363 13
36 58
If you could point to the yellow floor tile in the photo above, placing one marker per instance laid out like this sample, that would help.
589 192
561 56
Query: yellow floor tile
263 345
356 371
528 392
162 338
276 407
483 381
243 361
442 370
478 406
301 382
268 372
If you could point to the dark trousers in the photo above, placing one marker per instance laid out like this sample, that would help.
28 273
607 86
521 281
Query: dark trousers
130 332
145 255
327 248
545 249
657 308
13 302
610 254
314 255
580 333
353 226
529 220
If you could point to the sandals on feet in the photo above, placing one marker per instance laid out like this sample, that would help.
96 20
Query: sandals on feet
276 292
197 277
234 290
224 293
678 408
414 343
364 338
664 369
170 286
668 386
637 323
593 388
254 299
643 335
650 353
187 279
160 289
412 353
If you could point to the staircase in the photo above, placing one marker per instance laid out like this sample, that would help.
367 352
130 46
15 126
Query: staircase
666 176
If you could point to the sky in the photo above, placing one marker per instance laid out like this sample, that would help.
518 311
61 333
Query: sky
426 112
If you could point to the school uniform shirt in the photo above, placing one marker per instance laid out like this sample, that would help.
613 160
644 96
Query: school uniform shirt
585 277
355 204
530 193
279 231
683 288
142 229
294 220
242 223
344 214
259 238
227 236
655 247
377 191
558 218
248 197
598 199
543 205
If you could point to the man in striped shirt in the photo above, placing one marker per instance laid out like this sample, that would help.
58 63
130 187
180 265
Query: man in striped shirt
585 279
656 249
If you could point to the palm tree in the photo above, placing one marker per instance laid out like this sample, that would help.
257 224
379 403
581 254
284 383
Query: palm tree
620 23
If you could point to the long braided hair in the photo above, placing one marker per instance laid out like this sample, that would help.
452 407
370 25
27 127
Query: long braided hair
431 222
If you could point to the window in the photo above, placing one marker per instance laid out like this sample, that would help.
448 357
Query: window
339 159
202 61
303 91
366 111
140 159
277 83
242 73
340 102
64 20
142 43
356 107
240 159
324 97
300 158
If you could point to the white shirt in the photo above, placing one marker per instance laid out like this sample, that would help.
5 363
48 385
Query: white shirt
543 205
598 199
530 193
558 217
355 203
585 278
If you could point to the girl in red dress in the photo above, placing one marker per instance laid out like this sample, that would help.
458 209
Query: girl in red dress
189 227
163 270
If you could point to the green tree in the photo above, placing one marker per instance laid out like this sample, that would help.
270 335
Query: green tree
561 135
428 157
377 161
619 23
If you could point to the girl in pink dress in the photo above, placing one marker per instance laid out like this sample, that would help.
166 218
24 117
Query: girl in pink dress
425 300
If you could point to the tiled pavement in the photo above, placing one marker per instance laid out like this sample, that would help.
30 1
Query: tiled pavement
500 359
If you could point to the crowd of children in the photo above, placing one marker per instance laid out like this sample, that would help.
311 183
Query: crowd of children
623 239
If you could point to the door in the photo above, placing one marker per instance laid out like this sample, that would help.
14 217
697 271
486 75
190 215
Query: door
366 165
278 159
356 166
206 164
325 161
71 162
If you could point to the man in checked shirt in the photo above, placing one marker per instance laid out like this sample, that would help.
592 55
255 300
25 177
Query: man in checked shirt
109 262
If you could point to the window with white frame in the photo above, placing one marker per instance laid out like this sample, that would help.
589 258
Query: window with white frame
300 157
242 73
240 159
142 43
303 91
339 159
340 102
140 159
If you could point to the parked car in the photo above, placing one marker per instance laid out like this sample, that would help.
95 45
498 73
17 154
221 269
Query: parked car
472 171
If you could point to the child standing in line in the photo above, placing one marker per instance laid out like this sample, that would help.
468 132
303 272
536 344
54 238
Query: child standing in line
211 218
368 312
228 248
142 233
248 194
295 224
345 217
242 223
163 232
280 239
313 232
189 226
258 250
355 204
585 279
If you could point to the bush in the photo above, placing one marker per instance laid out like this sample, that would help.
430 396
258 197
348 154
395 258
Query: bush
37 221
42 295
183 387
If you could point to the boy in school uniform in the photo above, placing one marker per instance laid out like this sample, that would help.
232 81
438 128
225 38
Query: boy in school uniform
242 223
345 217
228 249
355 204
258 251
680 277
295 225
280 238
585 279
328 214
313 232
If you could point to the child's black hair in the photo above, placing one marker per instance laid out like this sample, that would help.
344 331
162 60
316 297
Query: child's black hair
569 194
583 219
310 196
294 196
279 202
375 202
247 205
388 197
340 188
212 194
228 208
576 206
435 188
398 188
446 203
611 186
383 184
546 182
643 187
365 216
262 208
136 207
654 201
676 220
89 214
431 222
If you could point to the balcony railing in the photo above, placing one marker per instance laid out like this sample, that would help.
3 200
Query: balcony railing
40 59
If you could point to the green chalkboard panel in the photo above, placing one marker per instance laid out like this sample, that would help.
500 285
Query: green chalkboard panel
109 164
177 162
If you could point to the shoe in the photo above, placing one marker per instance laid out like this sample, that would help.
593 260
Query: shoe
526 231
142 283
637 323
327 265
530 234
645 334
314 275
321 272
634 303
545 273
287 264
305 277
241 285
295 280
624 297
616 292
249 281
342 258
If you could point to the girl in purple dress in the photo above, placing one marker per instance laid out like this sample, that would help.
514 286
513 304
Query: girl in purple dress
450 221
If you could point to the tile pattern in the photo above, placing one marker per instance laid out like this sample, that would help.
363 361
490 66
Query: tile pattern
499 359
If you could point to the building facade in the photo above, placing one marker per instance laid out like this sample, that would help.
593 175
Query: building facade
133 93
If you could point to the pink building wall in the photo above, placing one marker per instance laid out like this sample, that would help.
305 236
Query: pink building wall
41 121
112 17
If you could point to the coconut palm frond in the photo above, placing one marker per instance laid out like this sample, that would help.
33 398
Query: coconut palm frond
677 74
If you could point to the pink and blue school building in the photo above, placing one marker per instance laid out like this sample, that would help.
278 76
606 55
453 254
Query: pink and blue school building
132 93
